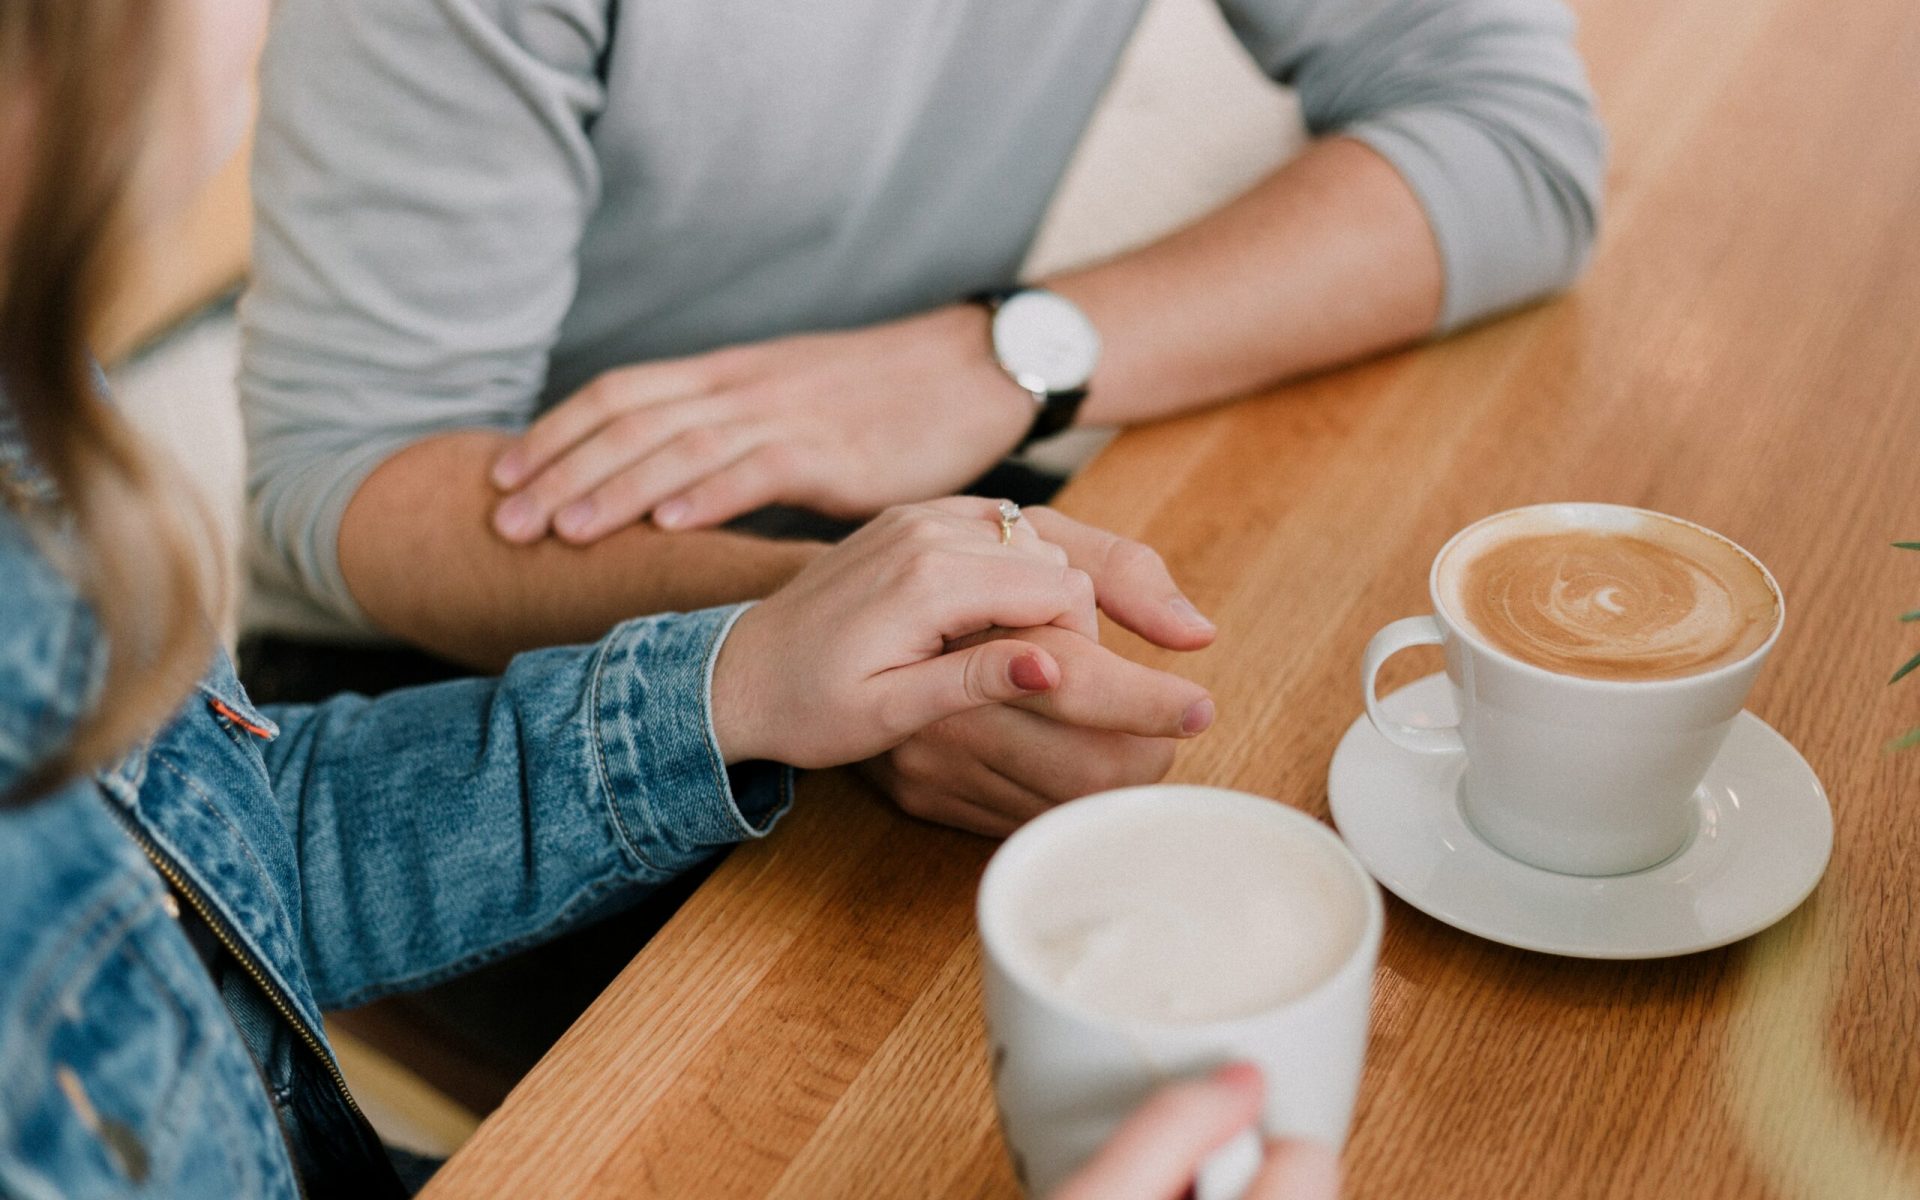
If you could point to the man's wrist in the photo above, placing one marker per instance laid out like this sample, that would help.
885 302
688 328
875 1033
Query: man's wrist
1048 346
1006 410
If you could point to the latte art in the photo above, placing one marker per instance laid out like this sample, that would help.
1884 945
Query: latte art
1658 601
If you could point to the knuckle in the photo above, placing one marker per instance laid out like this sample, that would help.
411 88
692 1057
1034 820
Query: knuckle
892 723
1115 773
1141 760
631 431
978 677
718 368
1125 555
922 526
703 442
556 485
780 460
1079 585
918 802
715 369
911 801
926 569
915 761
602 397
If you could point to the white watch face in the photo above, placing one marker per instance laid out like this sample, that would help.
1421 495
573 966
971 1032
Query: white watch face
1045 342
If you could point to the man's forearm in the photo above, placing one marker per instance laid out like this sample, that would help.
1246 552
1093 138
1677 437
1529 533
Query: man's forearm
1328 259
420 558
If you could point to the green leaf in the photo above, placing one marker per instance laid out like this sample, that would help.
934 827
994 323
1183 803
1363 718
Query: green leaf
1906 545
1905 741
1905 670
1911 616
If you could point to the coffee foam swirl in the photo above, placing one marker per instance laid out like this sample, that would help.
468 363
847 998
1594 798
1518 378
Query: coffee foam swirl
1659 601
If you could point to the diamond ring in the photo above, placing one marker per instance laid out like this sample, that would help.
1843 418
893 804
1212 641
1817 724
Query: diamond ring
1009 516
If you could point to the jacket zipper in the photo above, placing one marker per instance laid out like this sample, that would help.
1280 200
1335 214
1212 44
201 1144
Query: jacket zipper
244 957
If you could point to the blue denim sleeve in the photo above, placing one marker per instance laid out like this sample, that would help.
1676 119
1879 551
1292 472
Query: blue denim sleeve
440 827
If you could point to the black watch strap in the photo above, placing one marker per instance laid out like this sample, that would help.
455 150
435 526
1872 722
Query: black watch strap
1056 410
1056 413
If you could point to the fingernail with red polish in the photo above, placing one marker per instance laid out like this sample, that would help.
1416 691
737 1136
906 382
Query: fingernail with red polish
1189 615
1028 675
1198 717
574 518
507 472
671 514
515 518
1238 1074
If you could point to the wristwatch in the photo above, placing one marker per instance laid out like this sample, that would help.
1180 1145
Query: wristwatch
1045 344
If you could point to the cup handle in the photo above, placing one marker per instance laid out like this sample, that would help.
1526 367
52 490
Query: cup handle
1409 631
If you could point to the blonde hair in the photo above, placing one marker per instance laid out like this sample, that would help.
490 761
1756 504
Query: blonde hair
88 73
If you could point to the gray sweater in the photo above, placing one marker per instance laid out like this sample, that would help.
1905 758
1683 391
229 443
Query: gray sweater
468 208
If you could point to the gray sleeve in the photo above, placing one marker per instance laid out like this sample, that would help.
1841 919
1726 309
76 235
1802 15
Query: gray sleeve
1481 105
422 174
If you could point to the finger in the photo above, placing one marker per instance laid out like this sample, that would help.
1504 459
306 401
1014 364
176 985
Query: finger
1297 1169
980 519
768 475
932 802
606 398
1046 760
968 755
921 693
972 508
979 819
1155 1153
622 442
957 812
1101 690
1133 583
974 521
696 454
964 591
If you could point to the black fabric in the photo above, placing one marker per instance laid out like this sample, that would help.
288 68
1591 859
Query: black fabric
334 1150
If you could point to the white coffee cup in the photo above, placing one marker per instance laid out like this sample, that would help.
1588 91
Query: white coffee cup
1572 774
1066 1076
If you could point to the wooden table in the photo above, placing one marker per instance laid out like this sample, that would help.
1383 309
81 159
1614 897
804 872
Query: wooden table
1745 352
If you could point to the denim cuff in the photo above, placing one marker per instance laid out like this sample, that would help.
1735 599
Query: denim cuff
653 724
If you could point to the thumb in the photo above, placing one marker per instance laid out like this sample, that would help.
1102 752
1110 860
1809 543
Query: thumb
934 689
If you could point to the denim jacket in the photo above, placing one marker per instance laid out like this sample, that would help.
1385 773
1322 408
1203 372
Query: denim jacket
327 855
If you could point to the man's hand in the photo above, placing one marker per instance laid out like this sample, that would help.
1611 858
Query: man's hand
841 423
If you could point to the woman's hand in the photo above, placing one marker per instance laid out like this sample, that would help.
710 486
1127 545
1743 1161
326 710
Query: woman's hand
851 658
841 423
1157 1152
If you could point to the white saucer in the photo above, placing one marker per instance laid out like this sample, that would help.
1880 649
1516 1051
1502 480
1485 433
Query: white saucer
1764 836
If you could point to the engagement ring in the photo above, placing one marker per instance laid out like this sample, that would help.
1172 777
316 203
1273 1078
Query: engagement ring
1009 514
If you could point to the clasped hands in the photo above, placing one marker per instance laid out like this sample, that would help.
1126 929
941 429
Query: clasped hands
846 424
965 677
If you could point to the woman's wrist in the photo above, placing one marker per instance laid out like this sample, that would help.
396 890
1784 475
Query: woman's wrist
732 691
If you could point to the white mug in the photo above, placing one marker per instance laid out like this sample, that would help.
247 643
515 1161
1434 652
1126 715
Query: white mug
1065 1078
1571 774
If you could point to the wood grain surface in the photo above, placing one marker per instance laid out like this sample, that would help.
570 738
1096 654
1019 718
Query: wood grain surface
1745 353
